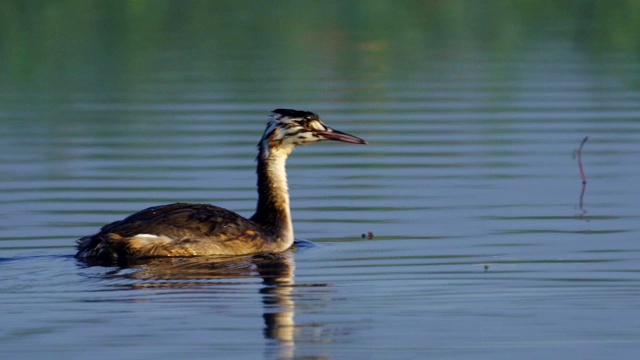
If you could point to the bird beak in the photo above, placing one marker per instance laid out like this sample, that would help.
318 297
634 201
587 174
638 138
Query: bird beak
336 135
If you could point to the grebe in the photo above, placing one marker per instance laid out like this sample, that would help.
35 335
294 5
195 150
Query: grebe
201 229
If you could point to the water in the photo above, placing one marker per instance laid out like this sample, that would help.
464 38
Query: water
479 247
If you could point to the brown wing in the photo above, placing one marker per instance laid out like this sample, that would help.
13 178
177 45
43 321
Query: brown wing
182 220
175 230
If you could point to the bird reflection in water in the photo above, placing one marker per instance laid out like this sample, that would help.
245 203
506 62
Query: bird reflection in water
275 270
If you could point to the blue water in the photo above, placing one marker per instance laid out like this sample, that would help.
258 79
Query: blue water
456 233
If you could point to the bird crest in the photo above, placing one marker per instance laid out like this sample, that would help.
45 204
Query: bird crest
290 128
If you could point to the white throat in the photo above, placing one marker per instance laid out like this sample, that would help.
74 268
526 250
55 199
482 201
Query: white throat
273 195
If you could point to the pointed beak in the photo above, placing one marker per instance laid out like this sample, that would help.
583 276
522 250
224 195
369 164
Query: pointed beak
336 135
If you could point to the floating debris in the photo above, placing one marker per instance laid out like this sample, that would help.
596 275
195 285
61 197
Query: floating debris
368 235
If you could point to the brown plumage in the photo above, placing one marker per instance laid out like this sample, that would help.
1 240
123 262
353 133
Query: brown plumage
201 229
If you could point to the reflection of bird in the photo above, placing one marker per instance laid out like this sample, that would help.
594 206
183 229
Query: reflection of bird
277 272
202 229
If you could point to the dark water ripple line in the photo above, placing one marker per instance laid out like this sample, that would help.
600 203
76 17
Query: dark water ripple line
432 101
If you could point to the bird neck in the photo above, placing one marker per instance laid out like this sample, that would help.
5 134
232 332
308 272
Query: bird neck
273 210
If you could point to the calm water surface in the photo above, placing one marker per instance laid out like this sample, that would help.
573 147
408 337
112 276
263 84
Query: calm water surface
479 246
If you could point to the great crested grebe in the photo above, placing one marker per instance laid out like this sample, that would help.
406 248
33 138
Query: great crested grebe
201 229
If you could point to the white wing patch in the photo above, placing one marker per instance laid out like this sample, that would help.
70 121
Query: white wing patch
142 240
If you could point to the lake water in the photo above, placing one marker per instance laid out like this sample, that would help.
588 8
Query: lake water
459 232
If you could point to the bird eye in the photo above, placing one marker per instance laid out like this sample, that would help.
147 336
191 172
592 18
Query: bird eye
306 125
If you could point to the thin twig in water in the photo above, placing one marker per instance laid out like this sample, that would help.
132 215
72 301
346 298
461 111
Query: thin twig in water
582 175
579 155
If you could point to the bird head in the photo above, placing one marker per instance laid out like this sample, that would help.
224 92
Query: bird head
290 128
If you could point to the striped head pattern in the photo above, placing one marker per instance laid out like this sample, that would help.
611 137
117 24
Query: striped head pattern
290 128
